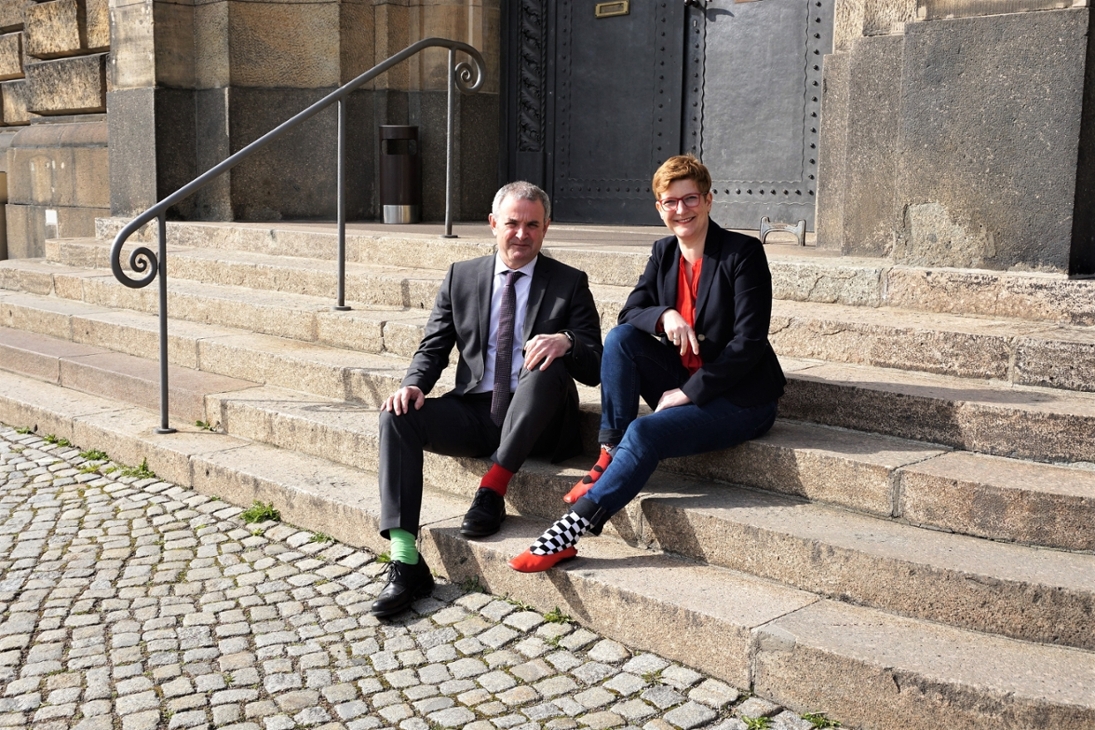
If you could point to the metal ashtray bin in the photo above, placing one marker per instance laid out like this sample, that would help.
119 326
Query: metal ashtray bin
400 176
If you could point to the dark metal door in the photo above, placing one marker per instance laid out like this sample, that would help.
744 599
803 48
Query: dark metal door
594 104
760 102
616 108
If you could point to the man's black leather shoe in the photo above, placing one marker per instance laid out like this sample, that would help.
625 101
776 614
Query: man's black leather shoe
405 584
485 515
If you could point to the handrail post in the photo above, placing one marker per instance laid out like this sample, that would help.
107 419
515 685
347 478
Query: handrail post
341 305
162 264
448 145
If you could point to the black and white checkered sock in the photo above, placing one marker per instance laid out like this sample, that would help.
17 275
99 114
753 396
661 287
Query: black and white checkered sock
563 534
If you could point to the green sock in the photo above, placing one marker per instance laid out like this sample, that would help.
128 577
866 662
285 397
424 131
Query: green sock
403 549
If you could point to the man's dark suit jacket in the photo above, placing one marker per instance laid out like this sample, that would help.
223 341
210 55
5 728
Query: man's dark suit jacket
733 311
559 301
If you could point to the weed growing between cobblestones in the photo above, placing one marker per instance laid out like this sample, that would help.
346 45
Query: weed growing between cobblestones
260 512
140 472
23 431
521 605
52 439
93 455
207 426
384 558
819 720
472 585
555 616
756 723
320 537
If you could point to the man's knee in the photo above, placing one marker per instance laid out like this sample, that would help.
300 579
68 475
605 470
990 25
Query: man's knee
394 426
555 376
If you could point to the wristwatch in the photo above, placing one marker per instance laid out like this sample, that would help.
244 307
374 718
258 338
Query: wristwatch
571 338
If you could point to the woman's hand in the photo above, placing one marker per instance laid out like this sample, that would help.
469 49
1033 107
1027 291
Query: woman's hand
679 332
672 399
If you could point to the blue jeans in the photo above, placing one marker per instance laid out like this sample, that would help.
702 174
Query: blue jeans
636 365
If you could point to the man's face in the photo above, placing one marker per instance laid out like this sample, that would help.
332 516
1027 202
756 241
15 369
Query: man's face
519 230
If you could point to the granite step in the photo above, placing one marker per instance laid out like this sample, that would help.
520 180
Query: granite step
1008 350
853 469
872 474
965 413
864 666
910 482
1038 595
110 374
799 274
1024 422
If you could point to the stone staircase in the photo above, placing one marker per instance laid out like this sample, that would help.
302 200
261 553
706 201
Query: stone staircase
909 547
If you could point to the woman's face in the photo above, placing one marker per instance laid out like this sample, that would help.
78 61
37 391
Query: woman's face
684 210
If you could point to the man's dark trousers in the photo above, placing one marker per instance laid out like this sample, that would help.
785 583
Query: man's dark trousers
462 426
544 407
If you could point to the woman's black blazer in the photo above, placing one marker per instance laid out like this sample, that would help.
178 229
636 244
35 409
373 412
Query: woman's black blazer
733 311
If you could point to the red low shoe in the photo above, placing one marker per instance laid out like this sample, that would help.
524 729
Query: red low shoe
587 482
526 562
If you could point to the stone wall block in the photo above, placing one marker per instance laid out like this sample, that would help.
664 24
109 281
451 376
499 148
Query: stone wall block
13 14
174 33
53 29
396 28
287 45
97 25
357 47
990 133
886 17
15 95
211 45
11 56
871 157
133 56
847 23
91 173
29 225
833 152
68 85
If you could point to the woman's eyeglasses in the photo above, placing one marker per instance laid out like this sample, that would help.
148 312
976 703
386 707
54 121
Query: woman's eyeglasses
689 201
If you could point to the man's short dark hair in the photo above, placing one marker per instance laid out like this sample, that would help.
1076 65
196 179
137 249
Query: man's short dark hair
521 190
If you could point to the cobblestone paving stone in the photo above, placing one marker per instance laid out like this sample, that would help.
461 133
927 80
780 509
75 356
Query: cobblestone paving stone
129 603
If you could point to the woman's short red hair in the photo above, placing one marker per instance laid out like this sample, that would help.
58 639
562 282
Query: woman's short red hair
681 167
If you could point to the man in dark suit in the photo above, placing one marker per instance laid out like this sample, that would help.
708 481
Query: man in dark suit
525 326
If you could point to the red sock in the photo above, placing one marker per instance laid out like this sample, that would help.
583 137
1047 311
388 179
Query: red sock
497 479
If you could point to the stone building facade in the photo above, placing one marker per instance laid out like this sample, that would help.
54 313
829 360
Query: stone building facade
959 133
953 133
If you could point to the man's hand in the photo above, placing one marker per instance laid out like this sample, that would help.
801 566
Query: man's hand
679 332
400 401
672 399
547 348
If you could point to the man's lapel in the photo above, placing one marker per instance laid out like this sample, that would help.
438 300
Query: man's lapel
484 288
540 278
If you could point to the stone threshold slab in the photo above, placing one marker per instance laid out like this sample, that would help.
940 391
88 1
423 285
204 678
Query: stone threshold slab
866 667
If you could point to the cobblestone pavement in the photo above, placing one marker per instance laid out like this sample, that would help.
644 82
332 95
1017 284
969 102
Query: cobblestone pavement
130 603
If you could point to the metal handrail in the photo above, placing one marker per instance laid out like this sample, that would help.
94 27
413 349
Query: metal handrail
468 77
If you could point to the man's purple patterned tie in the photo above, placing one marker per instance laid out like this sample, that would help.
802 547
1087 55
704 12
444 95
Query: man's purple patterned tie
503 350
